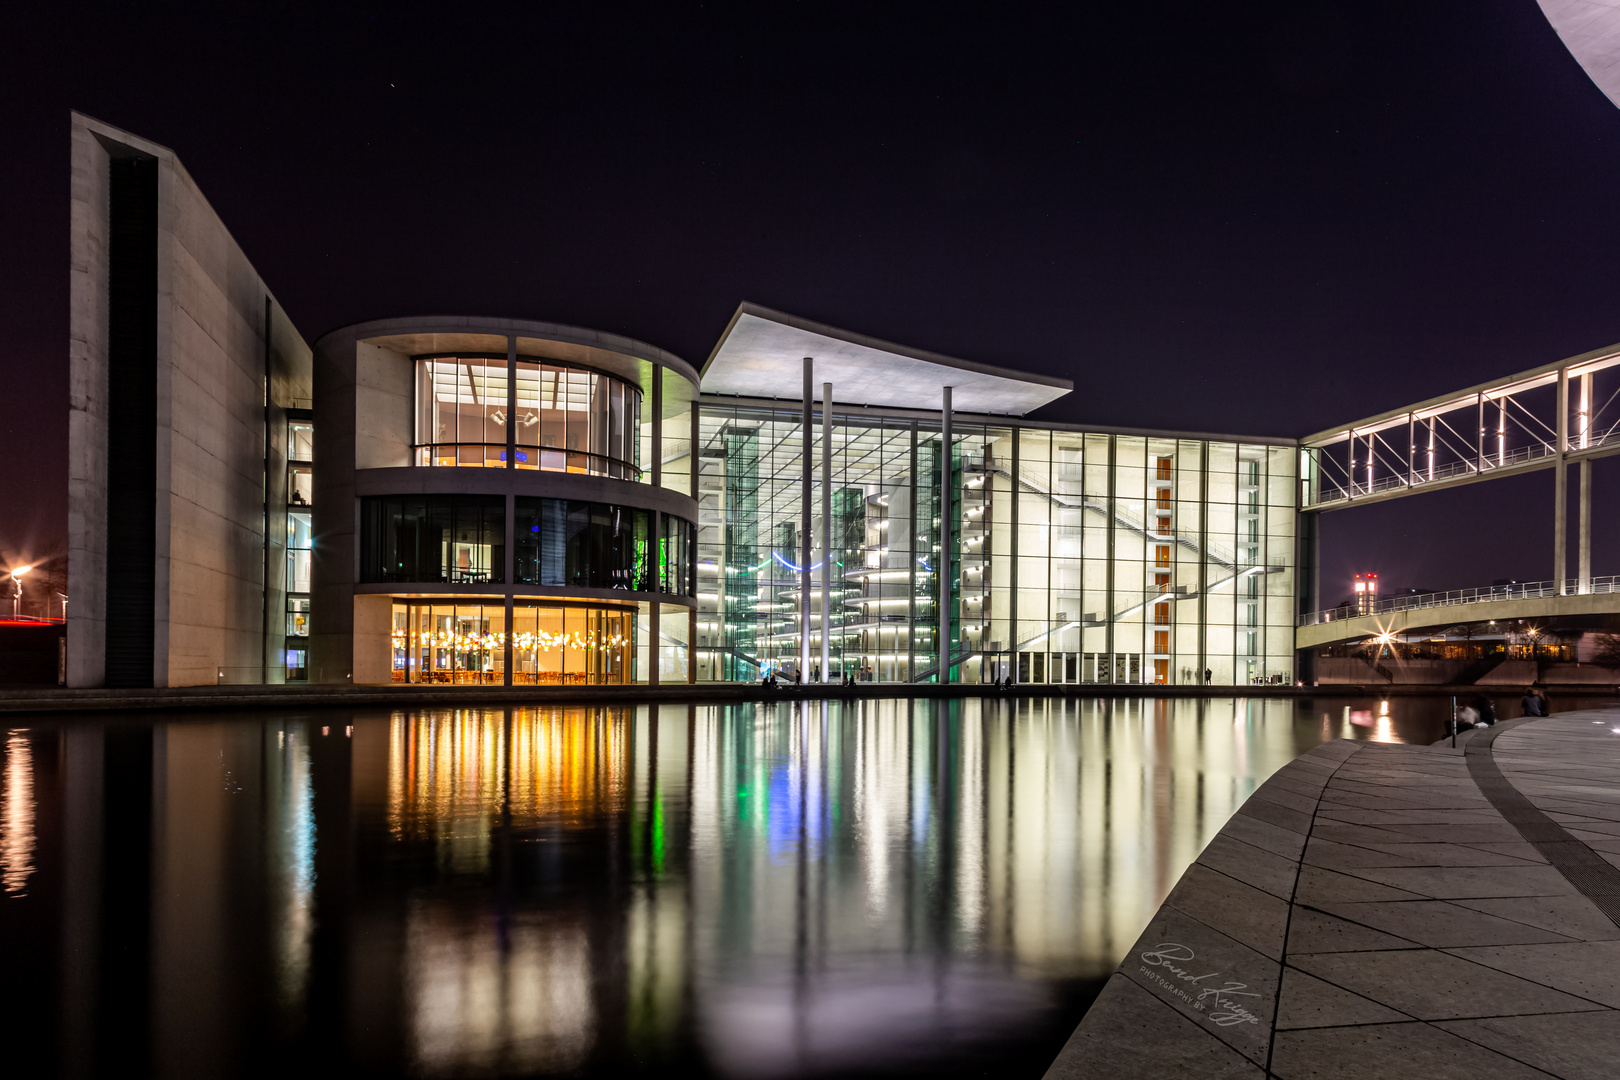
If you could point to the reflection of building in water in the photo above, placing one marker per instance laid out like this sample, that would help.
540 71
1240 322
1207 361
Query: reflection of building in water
1043 840
453 773
776 887
493 999
17 815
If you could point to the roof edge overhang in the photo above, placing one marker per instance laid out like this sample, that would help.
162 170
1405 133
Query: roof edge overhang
1056 387
847 409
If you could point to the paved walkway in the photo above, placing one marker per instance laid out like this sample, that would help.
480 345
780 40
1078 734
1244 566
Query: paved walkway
1390 911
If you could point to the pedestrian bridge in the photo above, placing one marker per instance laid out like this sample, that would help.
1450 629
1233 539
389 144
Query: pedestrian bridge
1403 614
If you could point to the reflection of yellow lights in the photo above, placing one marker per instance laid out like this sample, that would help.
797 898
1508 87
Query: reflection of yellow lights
443 639
17 815
1383 708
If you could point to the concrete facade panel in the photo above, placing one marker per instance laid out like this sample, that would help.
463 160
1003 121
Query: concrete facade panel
373 651
211 605
87 409
384 427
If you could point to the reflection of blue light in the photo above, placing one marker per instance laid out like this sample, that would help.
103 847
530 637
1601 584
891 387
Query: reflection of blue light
923 559
534 528
790 566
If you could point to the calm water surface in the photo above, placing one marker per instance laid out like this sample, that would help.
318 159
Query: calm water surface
779 890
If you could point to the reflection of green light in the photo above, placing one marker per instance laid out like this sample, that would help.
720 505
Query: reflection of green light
658 839
742 793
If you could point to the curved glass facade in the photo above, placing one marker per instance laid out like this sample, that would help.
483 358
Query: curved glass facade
461 641
601 546
566 419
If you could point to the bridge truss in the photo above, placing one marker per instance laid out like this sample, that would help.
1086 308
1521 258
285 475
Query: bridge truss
1547 418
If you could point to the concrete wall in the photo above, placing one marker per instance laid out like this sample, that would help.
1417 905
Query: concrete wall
87 408
211 609
373 652
384 392
1355 670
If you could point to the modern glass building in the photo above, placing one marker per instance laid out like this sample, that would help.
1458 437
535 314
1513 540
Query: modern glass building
858 539
519 503
475 501
501 502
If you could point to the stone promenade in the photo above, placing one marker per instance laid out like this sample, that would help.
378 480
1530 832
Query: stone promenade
1390 911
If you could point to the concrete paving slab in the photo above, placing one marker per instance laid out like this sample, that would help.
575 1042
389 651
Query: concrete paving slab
1318 886
1309 786
1307 1002
1385 1051
1256 866
1460 834
1571 916
1312 931
1293 820
1451 855
1434 985
1305 804
1135 1037
1449 882
1335 856
1590 969
1438 924
1225 987
1575 1046
1413 896
1240 911
1519 849
1265 835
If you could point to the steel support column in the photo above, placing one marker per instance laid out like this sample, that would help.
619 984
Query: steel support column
1584 585
1012 551
510 567
1561 488
944 561
806 483
826 532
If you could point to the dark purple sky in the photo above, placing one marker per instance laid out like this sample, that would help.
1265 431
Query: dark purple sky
1264 218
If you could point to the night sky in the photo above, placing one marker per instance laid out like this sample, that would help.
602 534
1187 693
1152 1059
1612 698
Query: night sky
1263 219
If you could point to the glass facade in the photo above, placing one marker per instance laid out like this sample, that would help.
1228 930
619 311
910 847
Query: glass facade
459 539
566 419
300 545
464 641
566 542
1073 557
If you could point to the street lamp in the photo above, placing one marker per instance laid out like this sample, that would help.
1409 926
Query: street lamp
16 595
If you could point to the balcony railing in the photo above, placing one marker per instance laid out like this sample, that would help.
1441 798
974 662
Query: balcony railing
1525 590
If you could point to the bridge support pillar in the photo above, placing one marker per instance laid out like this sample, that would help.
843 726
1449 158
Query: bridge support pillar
1584 584
1561 488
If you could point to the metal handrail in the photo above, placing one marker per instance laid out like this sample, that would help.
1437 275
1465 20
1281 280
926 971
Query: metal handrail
1527 590
618 463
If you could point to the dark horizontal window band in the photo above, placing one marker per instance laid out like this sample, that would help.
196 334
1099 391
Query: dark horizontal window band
573 543
566 543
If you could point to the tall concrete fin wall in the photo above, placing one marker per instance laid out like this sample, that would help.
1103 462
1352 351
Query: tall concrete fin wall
225 361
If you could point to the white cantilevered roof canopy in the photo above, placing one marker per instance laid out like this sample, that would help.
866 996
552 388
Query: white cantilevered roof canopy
762 352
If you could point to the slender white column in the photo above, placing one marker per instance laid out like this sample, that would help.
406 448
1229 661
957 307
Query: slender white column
1561 488
826 532
804 520
944 561
1584 585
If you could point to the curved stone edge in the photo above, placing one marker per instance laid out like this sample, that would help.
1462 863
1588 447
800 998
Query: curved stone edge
1197 993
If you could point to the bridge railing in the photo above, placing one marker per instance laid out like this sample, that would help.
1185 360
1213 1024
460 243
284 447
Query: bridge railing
1520 590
